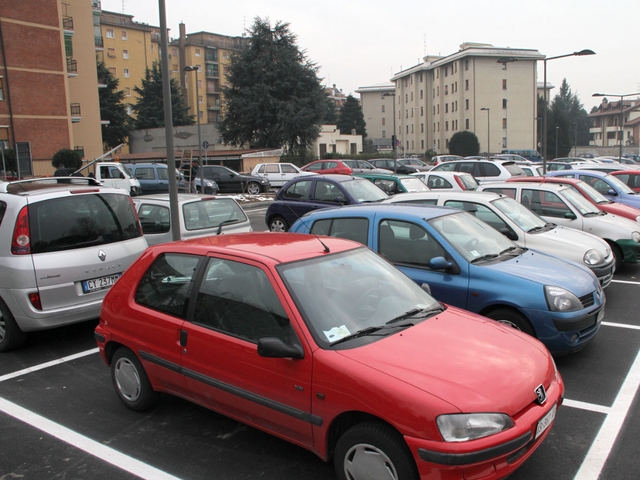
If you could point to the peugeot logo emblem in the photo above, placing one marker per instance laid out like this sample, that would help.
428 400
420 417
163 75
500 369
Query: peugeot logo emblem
102 256
541 394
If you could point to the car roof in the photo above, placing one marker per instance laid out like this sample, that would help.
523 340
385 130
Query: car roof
182 197
575 171
549 179
336 177
48 185
419 211
444 193
549 186
147 164
389 176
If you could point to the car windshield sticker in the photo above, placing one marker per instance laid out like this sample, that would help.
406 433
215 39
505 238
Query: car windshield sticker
336 333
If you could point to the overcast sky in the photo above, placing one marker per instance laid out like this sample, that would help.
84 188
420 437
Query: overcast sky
365 42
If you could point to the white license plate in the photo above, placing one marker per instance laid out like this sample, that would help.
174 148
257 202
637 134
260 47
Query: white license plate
97 284
545 421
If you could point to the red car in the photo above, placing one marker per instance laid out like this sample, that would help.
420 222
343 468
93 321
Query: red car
321 342
630 177
326 167
591 194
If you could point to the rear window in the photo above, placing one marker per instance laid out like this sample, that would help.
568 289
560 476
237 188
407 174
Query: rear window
212 213
79 221
3 208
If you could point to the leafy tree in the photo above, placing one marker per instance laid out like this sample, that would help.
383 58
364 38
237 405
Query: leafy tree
10 161
352 118
112 109
149 107
275 99
67 157
464 143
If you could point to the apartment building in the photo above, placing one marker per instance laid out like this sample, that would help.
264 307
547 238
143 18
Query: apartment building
614 122
473 89
377 108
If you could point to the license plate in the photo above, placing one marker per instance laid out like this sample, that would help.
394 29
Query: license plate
101 283
545 421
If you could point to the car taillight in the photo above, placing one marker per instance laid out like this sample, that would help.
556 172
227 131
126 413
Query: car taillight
135 212
21 242
34 298
460 183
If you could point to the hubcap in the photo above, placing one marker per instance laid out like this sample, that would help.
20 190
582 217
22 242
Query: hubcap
127 379
253 189
509 324
277 226
365 461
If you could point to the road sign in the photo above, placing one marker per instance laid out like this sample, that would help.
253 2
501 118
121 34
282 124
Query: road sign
205 144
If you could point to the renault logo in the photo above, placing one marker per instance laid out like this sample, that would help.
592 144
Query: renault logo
541 394
101 255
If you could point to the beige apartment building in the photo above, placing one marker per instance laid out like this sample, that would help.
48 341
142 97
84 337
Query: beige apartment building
377 108
607 120
473 89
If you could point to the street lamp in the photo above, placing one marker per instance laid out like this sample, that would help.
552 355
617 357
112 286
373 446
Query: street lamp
581 53
557 128
488 130
195 68
621 111
393 137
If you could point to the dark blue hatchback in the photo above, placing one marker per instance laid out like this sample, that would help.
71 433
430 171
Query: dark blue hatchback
304 194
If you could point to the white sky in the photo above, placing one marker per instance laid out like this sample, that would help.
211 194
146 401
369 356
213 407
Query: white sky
360 43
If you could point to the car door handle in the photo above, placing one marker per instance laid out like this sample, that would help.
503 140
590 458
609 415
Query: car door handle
183 338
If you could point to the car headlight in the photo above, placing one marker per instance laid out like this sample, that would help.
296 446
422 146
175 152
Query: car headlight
208 184
469 426
592 257
561 300
635 236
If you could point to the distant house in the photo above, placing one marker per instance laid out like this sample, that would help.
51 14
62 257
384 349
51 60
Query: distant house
332 141
606 131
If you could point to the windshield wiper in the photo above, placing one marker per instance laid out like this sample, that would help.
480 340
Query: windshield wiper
488 256
539 228
412 313
368 331
510 249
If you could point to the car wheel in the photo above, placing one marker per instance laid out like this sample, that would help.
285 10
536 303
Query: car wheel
278 224
131 381
253 188
373 450
513 319
11 336
617 254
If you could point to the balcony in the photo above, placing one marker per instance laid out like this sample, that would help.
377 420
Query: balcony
96 5
67 25
76 116
99 43
80 150
72 67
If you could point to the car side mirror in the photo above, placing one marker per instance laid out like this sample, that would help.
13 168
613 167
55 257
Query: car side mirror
612 192
426 288
507 232
570 216
439 263
273 347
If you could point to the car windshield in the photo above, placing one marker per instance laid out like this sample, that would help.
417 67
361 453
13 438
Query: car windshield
616 182
363 191
353 292
589 192
584 206
472 238
519 214
414 185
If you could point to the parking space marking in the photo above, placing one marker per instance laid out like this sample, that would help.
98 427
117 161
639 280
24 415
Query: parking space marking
35 368
621 325
98 450
625 281
600 449
592 407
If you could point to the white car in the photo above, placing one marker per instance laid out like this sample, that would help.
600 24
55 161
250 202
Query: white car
438 159
483 169
447 180
278 173
524 227
530 168
200 215
563 205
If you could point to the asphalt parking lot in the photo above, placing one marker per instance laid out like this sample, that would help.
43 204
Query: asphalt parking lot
61 419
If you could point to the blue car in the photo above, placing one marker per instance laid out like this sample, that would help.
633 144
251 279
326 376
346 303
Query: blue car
468 264
608 185
304 194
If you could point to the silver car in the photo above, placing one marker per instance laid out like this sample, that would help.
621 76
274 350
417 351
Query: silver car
64 242
199 216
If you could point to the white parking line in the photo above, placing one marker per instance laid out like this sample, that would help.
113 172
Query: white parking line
592 407
625 281
599 452
621 325
48 364
83 443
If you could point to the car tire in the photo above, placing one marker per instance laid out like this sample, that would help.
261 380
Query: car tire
373 450
253 188
278 224
513 319
617 254
11 337
130 381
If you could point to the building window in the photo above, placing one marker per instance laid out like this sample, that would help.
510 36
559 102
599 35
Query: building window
384 134
446 89
112 71
124 34
110 33
129 109
127 91
152 48
383 121
466 104
421 77
125 54
446 126
412 96
412 128
1 88
504 66
504 142
504 103
199 98
422 144
382 108
197 53
422 128
406 98
438 91
422 111
421 94
438 109
504 84
466 84
504 123
111 52
126 73
446 108
174 51
466 64
466 124
174 67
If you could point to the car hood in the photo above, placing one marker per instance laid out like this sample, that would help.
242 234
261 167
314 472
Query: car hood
567 242
469 361
621 209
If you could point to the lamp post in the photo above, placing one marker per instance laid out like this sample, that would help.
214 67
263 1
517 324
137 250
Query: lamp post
194 68
488 130
393 137
621 111
557 128
581 53
575 141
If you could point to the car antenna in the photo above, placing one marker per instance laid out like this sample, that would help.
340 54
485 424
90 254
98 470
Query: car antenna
326 249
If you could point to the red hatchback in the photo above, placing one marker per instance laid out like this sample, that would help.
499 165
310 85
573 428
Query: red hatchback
630 177
321 342
326 167
591 194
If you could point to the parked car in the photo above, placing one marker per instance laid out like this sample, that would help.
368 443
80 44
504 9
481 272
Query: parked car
608 185
278 173
154 177
415 162
199 216
529 154
563 205
361 166
468 264
304 344
64 242
448 180
483 169
631 178
524 227
304 194
328 167
392 184
230 181
438 159
393 166
590 193
530 169
513 157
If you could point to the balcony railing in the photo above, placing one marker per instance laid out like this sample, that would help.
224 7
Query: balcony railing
98 42
72 66
74 108
67 23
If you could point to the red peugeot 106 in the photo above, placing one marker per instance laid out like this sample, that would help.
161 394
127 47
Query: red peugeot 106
321 342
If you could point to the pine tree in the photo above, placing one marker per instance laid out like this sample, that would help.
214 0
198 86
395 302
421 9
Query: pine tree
112 109
352 118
